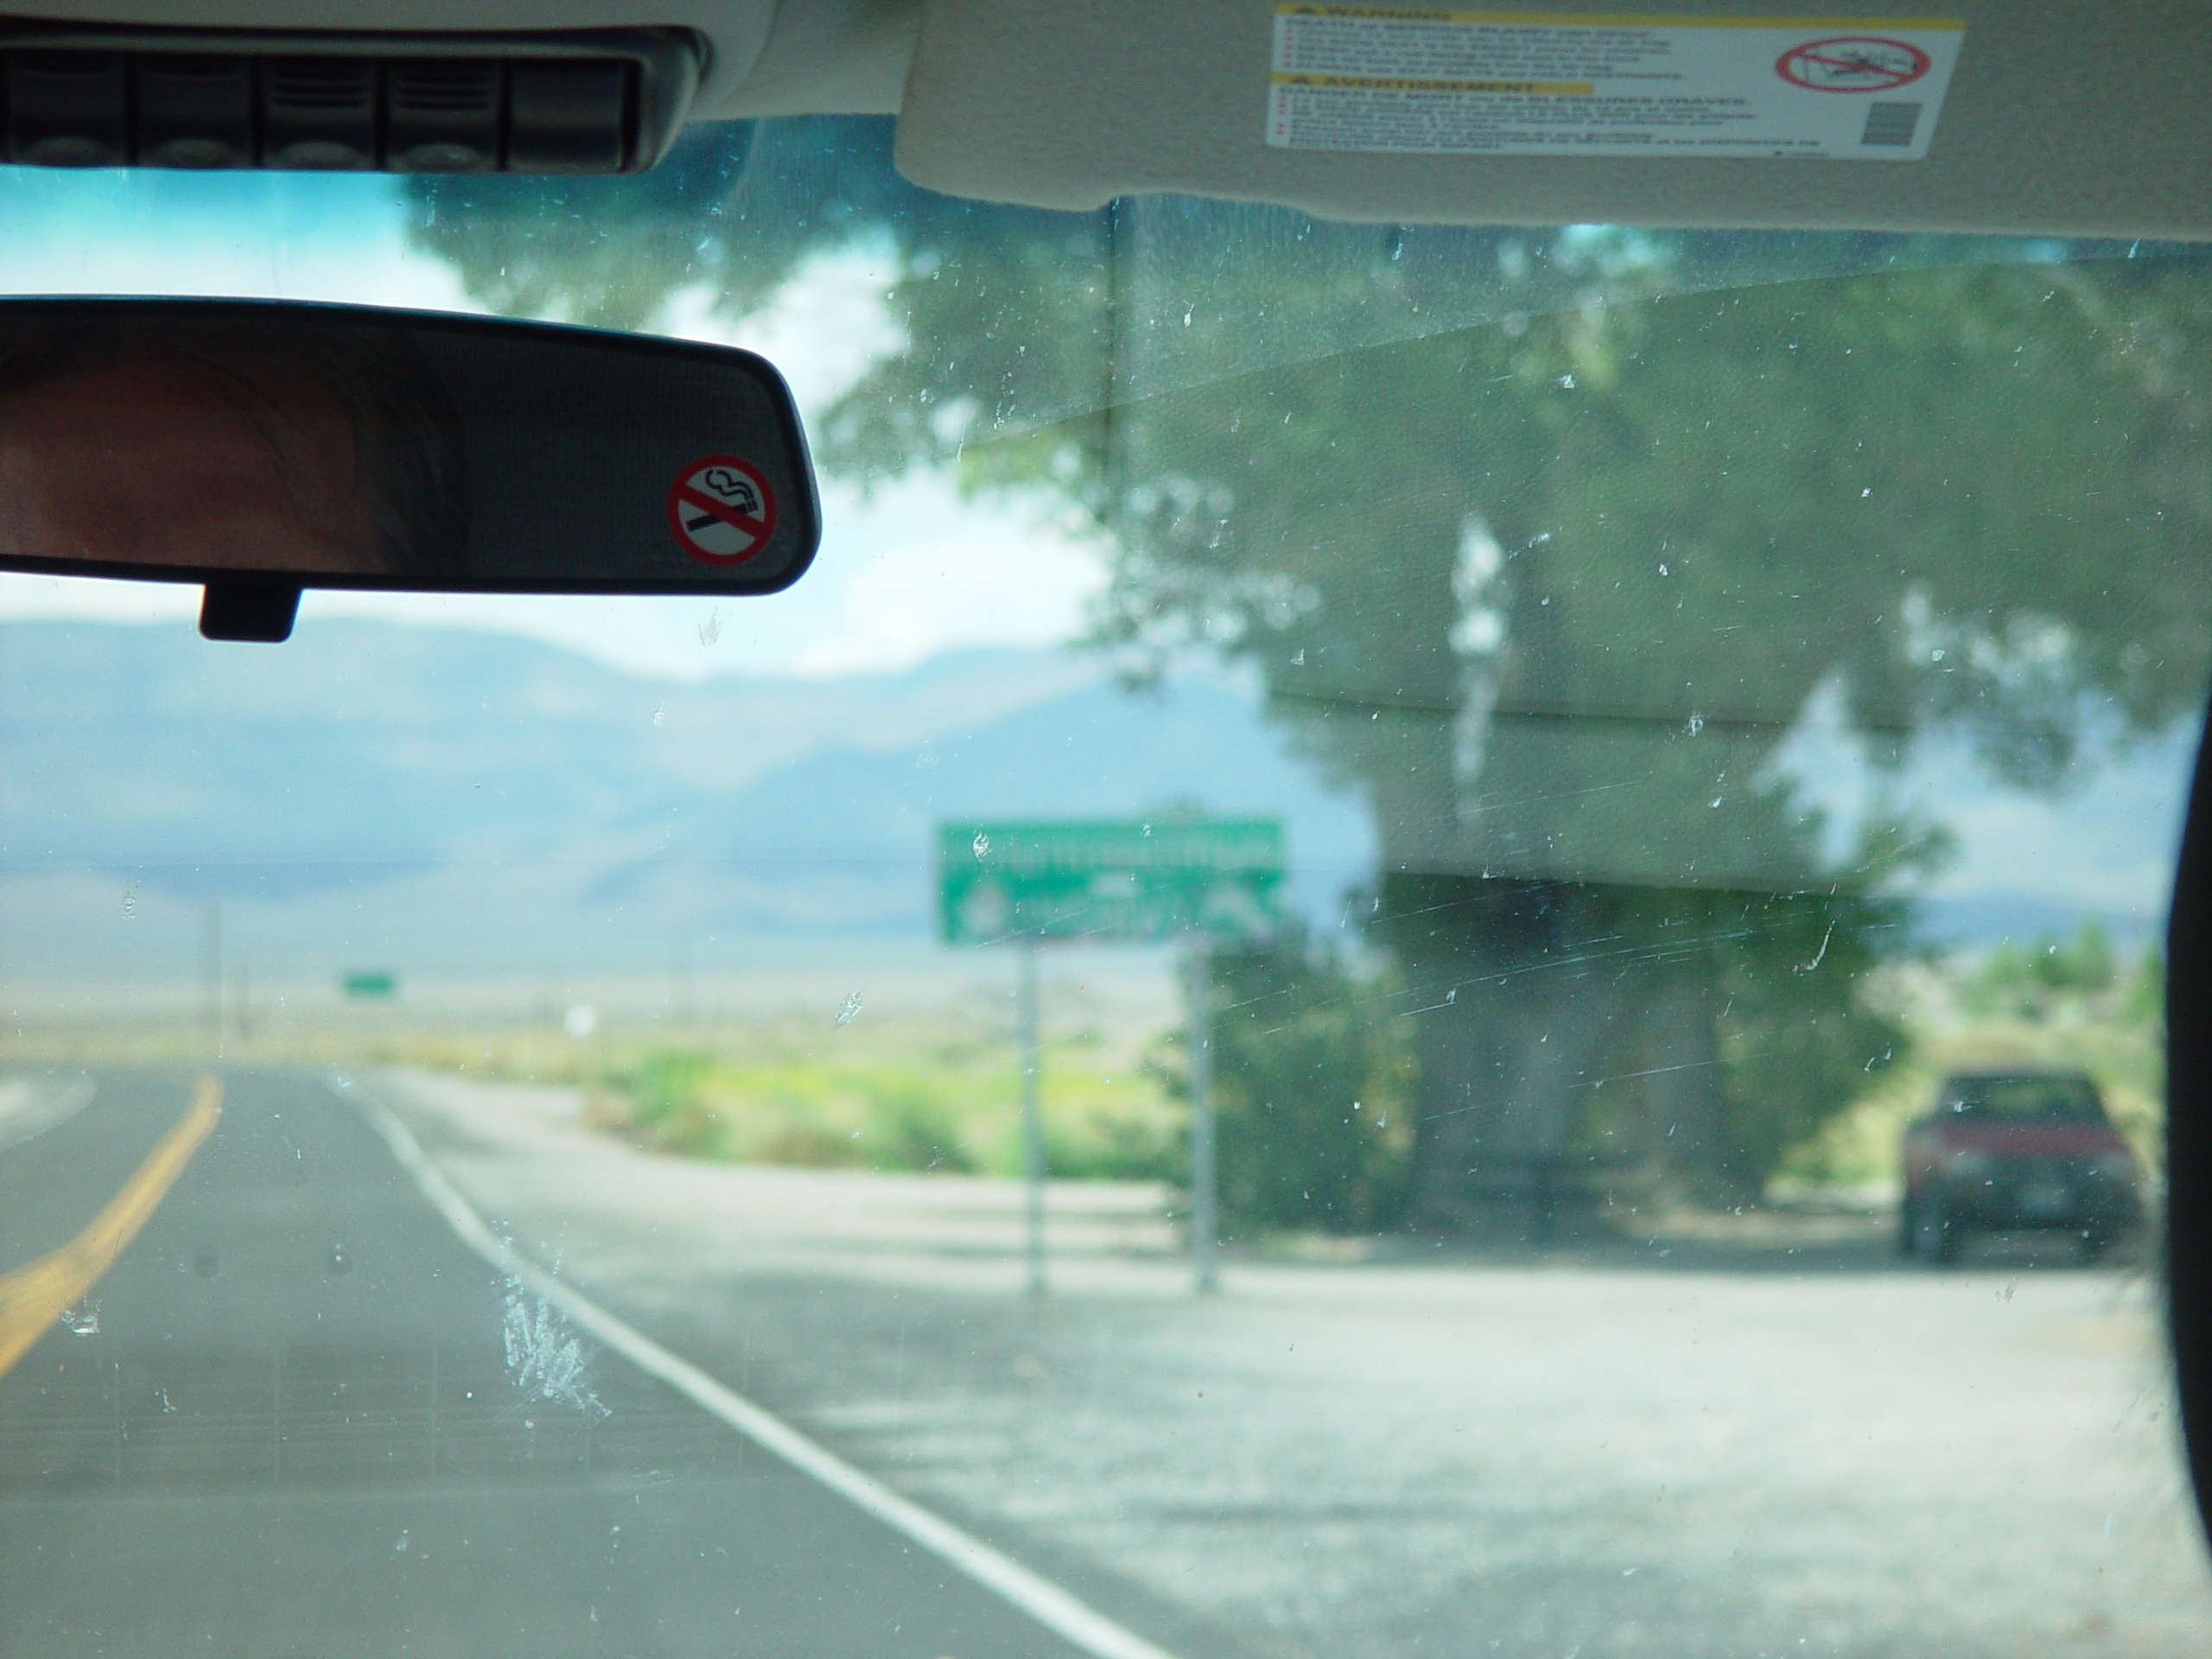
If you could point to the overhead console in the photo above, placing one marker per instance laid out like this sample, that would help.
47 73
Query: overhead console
572 101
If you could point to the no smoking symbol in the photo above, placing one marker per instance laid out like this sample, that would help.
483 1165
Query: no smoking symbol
721 510
1852 63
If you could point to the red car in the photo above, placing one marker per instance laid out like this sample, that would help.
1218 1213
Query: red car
2007 1152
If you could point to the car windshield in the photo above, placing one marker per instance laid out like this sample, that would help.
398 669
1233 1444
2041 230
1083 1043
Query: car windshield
2026 1100
1273 1014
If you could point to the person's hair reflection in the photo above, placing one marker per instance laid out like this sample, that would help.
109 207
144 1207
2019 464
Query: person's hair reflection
232 443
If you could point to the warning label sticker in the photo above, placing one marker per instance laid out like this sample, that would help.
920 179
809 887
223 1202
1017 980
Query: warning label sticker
1495 83
721 510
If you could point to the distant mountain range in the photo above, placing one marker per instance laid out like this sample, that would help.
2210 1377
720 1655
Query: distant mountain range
475 803
458 803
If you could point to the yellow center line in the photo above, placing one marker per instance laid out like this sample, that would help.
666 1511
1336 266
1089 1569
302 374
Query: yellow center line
33 1296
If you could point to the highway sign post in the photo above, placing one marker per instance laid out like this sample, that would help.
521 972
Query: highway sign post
1201 881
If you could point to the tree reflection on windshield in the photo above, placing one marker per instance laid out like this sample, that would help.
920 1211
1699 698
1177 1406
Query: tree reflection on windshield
1548 541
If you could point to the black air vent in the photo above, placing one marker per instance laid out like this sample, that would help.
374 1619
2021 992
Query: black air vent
68 108
319 112
193 109
595 101
443 115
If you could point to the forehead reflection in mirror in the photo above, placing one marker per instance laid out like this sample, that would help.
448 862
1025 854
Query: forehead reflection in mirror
294 445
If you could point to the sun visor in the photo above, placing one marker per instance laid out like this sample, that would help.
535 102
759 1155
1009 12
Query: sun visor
2005 116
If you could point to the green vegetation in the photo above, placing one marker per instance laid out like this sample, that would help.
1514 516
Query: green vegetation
1312 1075
865 1100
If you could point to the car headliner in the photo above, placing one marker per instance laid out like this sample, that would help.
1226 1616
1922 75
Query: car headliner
2064 118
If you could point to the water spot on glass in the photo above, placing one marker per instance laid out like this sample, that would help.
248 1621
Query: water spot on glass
1662 569
340 1261
982 844
130 899
1565 383
1298 660
1696 723
399 1544
711 629
2005 1295
1715 801
1863 494
82 1319
1936 655
660 716
850 1008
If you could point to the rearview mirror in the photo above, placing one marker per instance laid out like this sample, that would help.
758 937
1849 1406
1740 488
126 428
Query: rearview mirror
261 446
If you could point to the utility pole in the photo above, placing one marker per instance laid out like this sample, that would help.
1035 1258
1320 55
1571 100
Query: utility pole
1033 1114
680 1002
211 973
1205 1203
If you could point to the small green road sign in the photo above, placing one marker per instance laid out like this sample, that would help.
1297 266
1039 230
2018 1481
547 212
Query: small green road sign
370 982
1171 878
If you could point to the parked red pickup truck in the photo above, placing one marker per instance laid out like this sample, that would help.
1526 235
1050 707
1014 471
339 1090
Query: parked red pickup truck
2007 1152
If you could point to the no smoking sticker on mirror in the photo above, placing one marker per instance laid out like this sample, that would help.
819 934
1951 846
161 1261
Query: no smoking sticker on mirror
721 510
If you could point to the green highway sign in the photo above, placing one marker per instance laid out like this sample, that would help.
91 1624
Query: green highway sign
370 982
1109 880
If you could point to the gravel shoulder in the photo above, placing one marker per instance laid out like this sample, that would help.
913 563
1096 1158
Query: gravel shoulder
1737 1447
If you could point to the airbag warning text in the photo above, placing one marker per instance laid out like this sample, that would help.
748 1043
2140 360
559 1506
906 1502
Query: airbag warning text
1475 83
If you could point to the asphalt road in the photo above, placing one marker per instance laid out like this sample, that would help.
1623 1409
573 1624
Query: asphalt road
310 1423
1775 1440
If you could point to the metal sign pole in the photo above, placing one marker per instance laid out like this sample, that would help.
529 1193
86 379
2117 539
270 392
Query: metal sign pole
1204 1218
1033 1117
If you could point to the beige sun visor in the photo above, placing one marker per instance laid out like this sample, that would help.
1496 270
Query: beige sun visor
2005 116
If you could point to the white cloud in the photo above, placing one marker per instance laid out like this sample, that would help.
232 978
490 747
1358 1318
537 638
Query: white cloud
2104 839
97 599
823 331
941 574
255 235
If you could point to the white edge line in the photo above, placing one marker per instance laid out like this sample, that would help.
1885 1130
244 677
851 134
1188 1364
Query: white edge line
1050 1606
